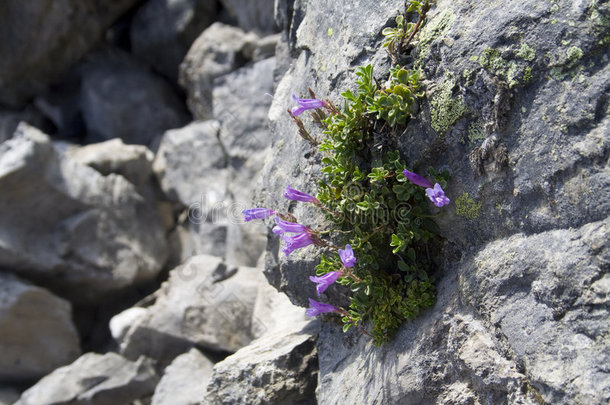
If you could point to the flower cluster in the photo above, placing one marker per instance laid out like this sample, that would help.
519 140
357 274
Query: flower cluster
389 281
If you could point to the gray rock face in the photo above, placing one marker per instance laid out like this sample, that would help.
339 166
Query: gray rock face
120 98
134 162
241 106
204 302
190 165
252 15
8 395
556 317
220 49
37 334
10 119
94 379
162 31
39 40
84 234
184 380
277 369
516 326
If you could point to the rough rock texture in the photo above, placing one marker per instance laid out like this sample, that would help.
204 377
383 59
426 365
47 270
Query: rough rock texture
252 15
37 334
520 123
162 31
277 369
241 106
190 165
220 49
94 379
39 40
184 380
204 302
121 98
85 234
134 162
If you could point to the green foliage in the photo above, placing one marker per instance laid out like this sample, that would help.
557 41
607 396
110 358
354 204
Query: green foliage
375 209
396 38
396 103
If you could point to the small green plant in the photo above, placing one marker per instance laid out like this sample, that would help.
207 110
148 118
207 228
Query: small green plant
378 226
397 39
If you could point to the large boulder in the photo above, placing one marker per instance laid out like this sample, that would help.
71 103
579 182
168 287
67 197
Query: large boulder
85 235
184 380
94 379
279 368
162 31
220 49
37 331
40 40
205 302
121 98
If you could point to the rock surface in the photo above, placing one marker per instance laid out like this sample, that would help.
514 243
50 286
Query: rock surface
219 50
252 15
94 379
85 235
205 302
133 162
277 369
162 31
36 331
121 98
184 380
527 158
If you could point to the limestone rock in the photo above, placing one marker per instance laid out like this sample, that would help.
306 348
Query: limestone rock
85 235
8 395
37 334
10 119
252 15
40 40
190 165
205 302
279 368
162 31
134 162
556 316
94 379
121 98
220 49
241 106
184 380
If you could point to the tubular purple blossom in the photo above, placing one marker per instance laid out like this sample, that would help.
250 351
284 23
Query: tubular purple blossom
292 194
437 196
290 227
305 104
347 256
296 242
317 308
417 179
323 282
257 213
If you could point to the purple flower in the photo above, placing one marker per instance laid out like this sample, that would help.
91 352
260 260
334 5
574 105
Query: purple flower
290 227
347 256
305 104
317 308
296 242
323 282
437 195
257 213
417 179
292 194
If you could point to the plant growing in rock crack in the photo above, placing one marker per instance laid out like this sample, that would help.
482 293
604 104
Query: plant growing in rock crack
378 221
